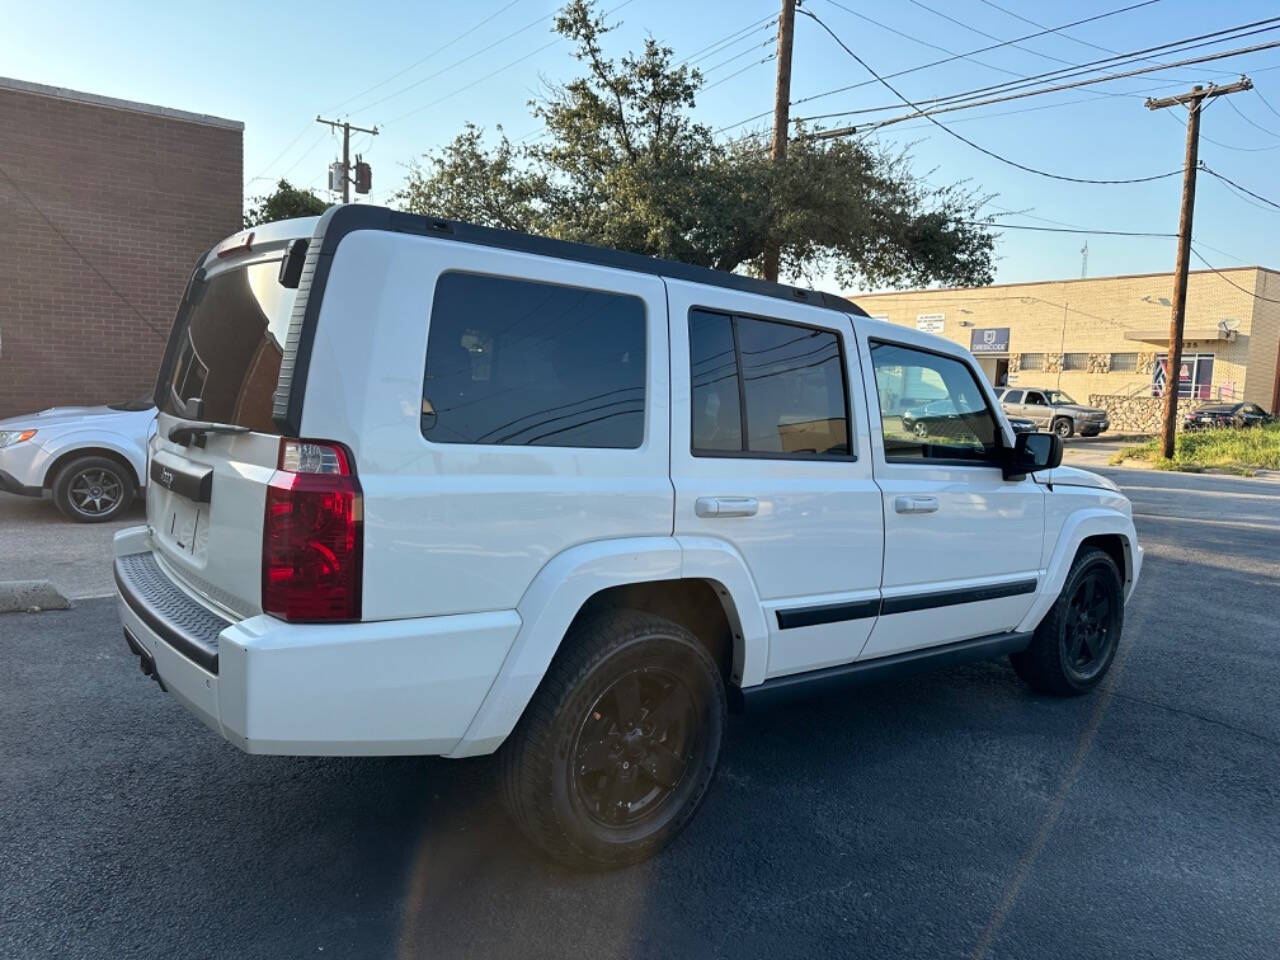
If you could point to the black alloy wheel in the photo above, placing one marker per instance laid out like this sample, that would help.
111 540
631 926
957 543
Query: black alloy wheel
93 489
1090 625
634 747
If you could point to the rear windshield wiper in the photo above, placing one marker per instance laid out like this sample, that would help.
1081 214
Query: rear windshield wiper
185 431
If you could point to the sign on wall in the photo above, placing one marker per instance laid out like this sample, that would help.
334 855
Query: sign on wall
989 340
930 322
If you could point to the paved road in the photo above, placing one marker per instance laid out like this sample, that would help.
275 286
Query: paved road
954 816
39 543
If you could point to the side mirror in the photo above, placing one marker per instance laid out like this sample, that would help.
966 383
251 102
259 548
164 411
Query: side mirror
1033 452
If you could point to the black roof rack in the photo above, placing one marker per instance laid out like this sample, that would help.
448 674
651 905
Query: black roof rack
338 221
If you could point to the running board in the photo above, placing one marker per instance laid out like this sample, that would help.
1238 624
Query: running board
818 683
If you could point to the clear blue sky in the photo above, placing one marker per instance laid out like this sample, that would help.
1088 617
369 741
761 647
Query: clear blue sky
276 65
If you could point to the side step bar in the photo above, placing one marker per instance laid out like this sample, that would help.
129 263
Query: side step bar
818 683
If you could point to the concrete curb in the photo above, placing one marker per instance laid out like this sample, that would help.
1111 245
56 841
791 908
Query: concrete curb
30 596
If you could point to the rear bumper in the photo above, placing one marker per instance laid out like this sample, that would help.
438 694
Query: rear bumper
358 689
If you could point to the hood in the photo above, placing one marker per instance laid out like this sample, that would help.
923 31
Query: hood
1075 477
1079 408
63 416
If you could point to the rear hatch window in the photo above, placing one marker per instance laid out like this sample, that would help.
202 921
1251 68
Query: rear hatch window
227 348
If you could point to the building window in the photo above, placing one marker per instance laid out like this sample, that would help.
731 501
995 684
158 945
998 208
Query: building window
1032 362
517 363
1075 361
1124 363
1195 377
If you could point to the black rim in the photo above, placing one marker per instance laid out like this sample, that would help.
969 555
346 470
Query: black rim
1064 428
1090 624
634 748
95 492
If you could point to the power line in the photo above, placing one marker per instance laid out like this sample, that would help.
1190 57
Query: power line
162 334
417 63
1257 196
1265 100
711 86
1256 296
1098 233
728 41
983 33
1240 114
936 63
967 141
737 56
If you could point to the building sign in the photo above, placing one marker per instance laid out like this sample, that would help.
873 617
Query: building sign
989 340
930 322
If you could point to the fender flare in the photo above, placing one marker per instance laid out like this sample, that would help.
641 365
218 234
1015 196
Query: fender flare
1079 526
569 580
85 442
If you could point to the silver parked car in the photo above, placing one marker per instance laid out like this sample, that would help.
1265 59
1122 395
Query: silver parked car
1053 410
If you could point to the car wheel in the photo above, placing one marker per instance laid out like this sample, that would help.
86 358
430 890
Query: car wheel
920 429
1063 427
619 744
1075 644
93 489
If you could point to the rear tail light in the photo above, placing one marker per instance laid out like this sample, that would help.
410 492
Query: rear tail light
313 534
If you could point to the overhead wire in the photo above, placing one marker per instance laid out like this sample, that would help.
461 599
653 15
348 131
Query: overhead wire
970 143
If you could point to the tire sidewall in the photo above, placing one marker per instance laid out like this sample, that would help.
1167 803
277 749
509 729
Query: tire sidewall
1093 562
62 488
1060 423
604 846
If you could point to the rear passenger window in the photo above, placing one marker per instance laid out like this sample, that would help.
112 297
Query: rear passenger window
517 363
766 388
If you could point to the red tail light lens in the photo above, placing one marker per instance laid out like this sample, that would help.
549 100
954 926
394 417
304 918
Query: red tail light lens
313 535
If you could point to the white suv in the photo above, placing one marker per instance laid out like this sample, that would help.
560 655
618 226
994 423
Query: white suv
421 487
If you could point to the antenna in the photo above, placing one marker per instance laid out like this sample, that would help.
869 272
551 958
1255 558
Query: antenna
1084 260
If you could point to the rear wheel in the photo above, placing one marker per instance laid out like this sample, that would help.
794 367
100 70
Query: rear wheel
619 744
1075 644
93 489
1063 427
921 429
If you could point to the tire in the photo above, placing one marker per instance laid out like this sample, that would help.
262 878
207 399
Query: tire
586 741
93 489
920 429
1052 663
1063 427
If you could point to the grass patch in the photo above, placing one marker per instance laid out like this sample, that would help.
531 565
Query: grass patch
1226 450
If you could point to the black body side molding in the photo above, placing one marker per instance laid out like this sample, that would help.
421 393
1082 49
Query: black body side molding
817 683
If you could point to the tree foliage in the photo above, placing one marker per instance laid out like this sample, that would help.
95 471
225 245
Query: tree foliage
285 202
624 164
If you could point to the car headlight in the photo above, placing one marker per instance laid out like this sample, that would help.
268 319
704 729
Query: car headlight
9 437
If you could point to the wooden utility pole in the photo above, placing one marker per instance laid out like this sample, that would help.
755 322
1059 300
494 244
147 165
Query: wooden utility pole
781 112
346 150
1194 101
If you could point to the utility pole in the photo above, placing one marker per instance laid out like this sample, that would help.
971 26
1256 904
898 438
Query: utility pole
346 150
781 112
1194 102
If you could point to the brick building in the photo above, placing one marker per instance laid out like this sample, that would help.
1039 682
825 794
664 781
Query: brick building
104 207
1104 338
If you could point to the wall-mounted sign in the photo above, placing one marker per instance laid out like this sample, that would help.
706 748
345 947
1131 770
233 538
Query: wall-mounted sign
930 322
989 340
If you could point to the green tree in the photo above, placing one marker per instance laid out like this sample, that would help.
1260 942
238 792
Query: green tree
624 164
285 202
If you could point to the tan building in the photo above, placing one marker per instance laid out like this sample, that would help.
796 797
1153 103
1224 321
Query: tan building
1107 337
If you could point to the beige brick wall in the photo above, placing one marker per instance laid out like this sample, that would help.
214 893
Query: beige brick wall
1090 318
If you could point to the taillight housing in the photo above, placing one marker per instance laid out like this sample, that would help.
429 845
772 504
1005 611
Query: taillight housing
313 534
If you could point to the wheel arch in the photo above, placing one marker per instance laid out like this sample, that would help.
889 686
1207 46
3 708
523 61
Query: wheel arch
99 449
651 573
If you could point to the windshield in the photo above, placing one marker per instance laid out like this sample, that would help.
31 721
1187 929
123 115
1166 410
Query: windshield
229 343
1057 397
143 402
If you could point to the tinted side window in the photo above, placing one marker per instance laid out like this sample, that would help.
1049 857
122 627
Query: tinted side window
513 362
1035 398
931 407
1013 396
786 383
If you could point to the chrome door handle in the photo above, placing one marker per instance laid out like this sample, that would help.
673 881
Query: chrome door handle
915 504
726 506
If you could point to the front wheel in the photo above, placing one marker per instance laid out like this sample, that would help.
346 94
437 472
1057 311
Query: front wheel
619 744
93 489
1075 644
1063 427
921 429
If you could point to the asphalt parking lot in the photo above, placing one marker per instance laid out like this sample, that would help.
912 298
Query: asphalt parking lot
957 815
